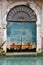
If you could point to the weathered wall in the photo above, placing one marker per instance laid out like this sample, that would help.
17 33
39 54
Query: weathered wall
6 4
42 29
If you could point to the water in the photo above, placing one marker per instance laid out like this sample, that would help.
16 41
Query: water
21 61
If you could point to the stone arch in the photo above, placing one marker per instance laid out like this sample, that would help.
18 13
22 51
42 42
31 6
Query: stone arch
31 4
21 13
37 22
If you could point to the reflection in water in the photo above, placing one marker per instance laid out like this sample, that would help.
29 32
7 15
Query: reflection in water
21 61
39 61
4 63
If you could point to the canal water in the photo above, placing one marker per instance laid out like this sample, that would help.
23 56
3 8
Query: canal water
21 61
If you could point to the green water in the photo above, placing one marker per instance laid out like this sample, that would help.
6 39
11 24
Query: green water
21 61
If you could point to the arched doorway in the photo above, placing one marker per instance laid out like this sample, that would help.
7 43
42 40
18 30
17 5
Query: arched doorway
21 29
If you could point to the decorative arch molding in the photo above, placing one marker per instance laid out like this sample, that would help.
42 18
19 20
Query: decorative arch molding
37 22
21 13
31 4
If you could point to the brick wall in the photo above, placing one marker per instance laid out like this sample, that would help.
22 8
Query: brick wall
42 43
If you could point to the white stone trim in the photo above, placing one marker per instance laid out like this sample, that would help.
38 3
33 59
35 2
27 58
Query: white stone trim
4 39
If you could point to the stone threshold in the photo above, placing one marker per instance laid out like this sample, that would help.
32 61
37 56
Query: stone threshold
21 54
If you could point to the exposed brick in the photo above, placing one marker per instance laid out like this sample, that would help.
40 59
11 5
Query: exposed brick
42 43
